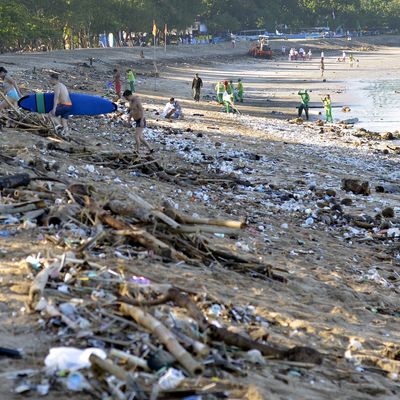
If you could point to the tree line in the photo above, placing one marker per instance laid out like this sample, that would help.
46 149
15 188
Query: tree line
33 24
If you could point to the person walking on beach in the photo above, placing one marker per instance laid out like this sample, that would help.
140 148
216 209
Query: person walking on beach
117 82
219 89
197 84
131 80
136 112
351 60
62 104
322 67
10 90
328 108
240 90
305 99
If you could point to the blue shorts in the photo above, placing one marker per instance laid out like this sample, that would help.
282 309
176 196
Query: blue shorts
63 111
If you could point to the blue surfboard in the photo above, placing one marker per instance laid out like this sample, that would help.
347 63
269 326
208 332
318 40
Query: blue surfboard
82 104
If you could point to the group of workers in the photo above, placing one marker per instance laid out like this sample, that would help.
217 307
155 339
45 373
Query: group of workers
304 105
227 94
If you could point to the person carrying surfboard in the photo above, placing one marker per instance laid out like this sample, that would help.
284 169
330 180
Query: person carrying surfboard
62 105
10 90
136 112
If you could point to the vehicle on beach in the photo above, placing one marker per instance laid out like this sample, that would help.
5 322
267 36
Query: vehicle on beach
261 49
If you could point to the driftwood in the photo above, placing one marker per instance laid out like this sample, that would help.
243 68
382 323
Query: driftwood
187 219
109 367
165 336
191 344
183 300
22 207
132 360
22 194
139 202
60 214
128 210
14 181
142 237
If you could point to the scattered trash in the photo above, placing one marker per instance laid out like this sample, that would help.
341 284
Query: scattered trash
70 358
171 379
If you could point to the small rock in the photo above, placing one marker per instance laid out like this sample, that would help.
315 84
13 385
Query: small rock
388 212
356 186
330 192
218 144
337 207
387 136
347 202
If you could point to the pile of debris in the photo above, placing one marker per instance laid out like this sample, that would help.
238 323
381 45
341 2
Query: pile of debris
143 338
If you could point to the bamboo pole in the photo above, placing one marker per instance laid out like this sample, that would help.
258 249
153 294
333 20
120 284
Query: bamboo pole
165 336
132 360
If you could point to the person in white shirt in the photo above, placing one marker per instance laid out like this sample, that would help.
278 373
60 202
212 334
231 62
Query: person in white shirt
173 110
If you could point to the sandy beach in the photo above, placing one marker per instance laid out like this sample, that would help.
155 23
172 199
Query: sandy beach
332 246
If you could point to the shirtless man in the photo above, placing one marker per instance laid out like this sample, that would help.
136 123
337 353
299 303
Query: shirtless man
10 90
137 113
62 102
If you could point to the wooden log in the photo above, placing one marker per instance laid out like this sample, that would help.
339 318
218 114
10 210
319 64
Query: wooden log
187 219
52 311
109 367
67 148
60 214
142 237
296 353
132 360
165 336
138 201
13 181
37 288
128 210
19 194
21 207
205 229
191 344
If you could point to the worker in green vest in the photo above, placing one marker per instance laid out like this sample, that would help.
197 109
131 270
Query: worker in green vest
240 90
305 100
220 88
131 80
328 108
231 88
228 102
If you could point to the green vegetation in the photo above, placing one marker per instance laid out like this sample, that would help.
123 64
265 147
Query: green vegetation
33 24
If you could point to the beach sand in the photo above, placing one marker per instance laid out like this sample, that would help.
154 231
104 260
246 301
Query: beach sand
342 295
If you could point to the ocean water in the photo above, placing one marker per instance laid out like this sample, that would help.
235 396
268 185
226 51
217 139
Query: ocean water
376 104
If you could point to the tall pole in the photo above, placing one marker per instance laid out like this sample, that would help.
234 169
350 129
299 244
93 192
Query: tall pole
154 56
165 38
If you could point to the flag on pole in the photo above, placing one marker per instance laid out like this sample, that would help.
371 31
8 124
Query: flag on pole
154 28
